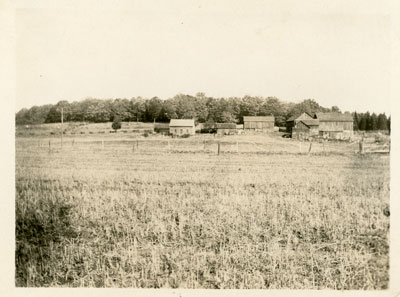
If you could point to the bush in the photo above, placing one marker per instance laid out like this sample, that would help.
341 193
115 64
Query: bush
185 135
116 124
145 134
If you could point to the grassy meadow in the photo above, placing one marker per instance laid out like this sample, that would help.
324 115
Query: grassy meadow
126 211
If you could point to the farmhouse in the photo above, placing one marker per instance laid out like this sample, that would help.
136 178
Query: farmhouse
225 128
259 123
181 127
335 125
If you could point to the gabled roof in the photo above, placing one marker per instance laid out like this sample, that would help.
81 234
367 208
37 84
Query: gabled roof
311 122
258 119
292 118
334 117
225 125
181 123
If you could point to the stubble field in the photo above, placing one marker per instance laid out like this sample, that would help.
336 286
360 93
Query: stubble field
155 214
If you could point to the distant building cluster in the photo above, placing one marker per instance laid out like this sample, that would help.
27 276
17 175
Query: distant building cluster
332 125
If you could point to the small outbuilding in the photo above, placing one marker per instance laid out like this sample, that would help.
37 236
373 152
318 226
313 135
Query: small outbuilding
226 128
259 123
161 128
179 127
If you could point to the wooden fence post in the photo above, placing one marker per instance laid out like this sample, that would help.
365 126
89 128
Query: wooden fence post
218 148
237 146
361 144
73 141
309 149
49 146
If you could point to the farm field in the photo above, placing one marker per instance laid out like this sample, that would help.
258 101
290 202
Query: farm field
150 212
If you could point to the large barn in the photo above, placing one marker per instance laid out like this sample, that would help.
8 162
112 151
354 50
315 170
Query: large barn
181 127
259 123
325 124
335 125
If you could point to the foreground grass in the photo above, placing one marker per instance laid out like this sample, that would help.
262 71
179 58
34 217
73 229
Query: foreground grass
116 218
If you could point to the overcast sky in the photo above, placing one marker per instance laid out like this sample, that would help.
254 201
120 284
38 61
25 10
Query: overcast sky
335 52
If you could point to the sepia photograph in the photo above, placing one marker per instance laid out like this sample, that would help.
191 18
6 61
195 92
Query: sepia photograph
172 145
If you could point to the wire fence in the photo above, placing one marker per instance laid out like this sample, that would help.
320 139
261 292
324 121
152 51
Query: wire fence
201 144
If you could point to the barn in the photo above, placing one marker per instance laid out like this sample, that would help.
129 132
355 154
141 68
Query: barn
226 128
335 125
259 123
305 128
292 121
179 127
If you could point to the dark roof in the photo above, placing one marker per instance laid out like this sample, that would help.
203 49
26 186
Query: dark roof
161 126
313 122
181 123
225 125
258 119
334 117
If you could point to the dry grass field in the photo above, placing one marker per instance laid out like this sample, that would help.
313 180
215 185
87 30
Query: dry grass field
161 212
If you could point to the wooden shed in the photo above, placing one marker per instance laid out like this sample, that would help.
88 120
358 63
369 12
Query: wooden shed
179 127
259 123
226 128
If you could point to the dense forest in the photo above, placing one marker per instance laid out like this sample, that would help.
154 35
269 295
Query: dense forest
200 107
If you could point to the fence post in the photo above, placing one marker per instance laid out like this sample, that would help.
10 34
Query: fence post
361 144
49 146
137 144
309 149
102 143
73 141
218 148
237 146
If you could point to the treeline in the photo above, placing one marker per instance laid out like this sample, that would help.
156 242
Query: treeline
369 122
200 107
